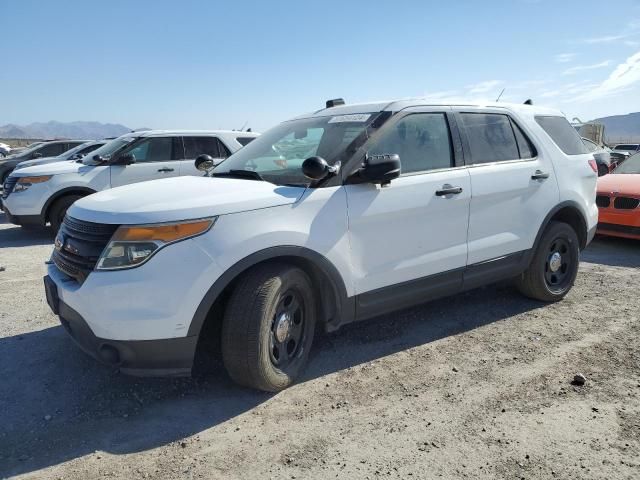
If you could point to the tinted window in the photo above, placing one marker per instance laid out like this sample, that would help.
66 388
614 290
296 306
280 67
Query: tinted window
52 149
245 140
563 134
525 147
626 147
155 149
90 148
422 140
196 146
491 138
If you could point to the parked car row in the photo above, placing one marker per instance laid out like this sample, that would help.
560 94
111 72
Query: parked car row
329 218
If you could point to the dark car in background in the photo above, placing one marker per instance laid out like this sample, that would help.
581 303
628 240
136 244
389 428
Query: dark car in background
74 154
51 148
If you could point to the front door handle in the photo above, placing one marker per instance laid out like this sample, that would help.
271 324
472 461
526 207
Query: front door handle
448 190
166 170
540 175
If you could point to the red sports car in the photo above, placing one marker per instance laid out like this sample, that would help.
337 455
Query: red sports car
618 200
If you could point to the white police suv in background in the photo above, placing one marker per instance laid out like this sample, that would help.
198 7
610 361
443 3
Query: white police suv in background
336 216
40 194
76 153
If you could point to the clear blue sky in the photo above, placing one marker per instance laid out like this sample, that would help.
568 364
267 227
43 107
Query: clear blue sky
209 64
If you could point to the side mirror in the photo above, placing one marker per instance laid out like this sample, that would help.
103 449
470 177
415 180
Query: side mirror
317 168
36 155
125 159
379 169
204 163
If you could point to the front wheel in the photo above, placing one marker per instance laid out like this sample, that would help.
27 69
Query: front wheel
268 327
59 210
554 265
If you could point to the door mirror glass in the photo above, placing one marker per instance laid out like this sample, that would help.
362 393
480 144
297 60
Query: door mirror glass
205 163
379 169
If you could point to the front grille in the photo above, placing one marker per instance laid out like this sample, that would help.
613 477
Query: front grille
626 203
79 245
9 185
603 201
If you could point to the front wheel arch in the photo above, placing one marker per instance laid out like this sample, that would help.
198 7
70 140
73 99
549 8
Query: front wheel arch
81 191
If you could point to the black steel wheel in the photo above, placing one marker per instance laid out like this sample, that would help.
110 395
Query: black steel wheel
554 266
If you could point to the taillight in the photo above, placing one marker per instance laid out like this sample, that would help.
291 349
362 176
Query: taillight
593 165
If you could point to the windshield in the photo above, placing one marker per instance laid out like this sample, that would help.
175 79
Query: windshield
277 155
107 150
630 165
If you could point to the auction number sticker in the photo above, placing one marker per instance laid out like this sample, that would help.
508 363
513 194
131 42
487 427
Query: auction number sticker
354 117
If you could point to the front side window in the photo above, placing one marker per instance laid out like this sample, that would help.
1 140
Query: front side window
277 155
196 146
90 148
422 141
562 134
155 149
491 138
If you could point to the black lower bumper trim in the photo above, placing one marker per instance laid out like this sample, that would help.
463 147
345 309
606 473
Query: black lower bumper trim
164 357
26 220
614 227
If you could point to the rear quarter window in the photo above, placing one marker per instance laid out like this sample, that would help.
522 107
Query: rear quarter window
562 134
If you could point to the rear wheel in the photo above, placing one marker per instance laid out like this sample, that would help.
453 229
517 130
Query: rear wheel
268 327
554 265
59 210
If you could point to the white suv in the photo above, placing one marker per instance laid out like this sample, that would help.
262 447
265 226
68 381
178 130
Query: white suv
336 216
39 194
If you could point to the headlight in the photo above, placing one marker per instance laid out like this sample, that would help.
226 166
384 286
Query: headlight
132 245
25 182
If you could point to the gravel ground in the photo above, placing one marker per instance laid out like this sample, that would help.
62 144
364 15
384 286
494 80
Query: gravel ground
476 386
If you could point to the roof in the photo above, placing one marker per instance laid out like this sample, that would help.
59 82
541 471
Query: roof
152 133
397 105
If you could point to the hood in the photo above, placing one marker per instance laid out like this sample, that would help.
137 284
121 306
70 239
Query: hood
627 184
55 168
181 198
38 161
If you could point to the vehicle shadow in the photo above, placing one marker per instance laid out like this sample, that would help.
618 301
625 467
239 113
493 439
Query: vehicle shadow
613 251
15 236
94 408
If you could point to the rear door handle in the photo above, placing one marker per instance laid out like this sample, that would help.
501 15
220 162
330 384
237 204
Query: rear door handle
540 175
448 190
166 170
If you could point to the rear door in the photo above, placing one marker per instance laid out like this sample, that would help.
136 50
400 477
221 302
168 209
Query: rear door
194 146
513 184
155 157
409 239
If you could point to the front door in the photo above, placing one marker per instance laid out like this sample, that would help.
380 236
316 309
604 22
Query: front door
409 239
194 146
155 157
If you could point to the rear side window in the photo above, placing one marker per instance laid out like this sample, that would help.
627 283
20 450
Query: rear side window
245 140
526 148
563 134
52 149
491 137
196 146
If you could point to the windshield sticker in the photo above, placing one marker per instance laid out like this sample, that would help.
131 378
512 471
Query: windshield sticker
354 117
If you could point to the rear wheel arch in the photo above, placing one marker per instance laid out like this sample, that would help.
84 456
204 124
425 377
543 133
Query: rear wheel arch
335 307
569 213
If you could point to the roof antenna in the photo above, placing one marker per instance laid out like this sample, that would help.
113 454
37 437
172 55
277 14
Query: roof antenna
244 125
500 96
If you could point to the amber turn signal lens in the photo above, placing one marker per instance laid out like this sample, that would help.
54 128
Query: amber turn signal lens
162 233
39 179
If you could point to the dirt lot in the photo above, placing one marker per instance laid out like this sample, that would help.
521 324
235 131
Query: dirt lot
472 387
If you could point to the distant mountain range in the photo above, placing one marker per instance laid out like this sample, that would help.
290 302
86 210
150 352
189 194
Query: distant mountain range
621 128
49 130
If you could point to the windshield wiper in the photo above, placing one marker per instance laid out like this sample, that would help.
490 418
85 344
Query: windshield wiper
239 174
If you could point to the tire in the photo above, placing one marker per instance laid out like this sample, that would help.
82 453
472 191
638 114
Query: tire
265 338
59 209
549 277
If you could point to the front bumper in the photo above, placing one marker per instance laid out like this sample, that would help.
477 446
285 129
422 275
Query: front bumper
162 357
26 220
